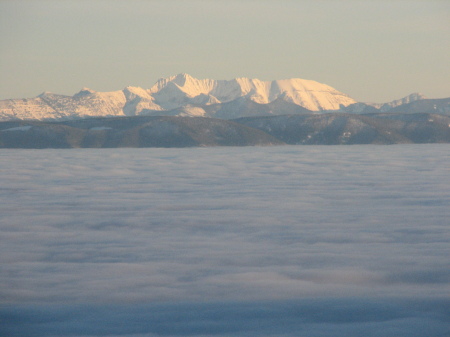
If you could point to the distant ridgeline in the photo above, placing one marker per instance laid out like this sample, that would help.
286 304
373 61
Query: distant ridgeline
184 111
167 131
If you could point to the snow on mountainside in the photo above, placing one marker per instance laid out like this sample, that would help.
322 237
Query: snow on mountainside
177 91
184 95
189 95
361 107
405 100
53 106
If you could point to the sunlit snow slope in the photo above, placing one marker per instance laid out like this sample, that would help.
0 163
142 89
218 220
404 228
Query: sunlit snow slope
177 92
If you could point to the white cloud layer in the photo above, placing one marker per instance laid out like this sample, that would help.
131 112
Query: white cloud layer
117 227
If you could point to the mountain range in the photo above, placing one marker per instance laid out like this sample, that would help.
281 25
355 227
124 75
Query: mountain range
182 111
184 95
170 131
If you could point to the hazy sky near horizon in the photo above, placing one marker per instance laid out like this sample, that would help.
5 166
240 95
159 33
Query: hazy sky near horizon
371 50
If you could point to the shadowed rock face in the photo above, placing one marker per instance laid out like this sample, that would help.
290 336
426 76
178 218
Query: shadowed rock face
131 132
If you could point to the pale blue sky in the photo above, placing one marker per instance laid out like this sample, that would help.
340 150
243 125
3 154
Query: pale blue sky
372 50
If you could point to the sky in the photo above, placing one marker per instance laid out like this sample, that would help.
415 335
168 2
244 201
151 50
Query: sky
374 51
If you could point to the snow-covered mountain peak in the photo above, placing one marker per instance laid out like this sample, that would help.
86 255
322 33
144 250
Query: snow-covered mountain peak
416 96
132 92
85 91
298 84
182 78
45 93
179 80
179 90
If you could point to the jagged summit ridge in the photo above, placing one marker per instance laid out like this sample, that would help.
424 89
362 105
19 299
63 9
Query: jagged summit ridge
176 91
184 95
83 92
416 96
361 107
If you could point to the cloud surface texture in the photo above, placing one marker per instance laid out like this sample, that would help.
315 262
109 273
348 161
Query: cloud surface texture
254 241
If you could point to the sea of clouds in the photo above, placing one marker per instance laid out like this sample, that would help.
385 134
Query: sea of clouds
253 241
